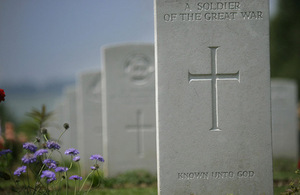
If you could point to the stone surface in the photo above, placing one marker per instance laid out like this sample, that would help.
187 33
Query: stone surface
57 120
213 97
69 139
128 108
89 118
55 126
284 119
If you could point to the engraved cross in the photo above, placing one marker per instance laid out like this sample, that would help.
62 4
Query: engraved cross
214 77
140 128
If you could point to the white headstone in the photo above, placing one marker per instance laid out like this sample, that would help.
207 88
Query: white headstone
89 117
284 119
213 97
58 119
128 108
56 126
69 139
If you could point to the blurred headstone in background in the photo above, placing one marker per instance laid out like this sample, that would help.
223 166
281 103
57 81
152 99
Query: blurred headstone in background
69 115
128 108
89 117
284 119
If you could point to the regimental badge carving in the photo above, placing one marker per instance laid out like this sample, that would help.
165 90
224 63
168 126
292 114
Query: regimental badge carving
139 68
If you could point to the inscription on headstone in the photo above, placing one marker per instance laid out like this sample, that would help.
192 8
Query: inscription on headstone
214 77
213 97
140 129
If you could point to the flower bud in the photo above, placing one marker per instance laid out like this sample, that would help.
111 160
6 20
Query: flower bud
66 126
44 131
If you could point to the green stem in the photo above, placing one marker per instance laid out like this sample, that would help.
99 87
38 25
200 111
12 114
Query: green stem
48 157
71 165
99 181
66 178
28 181
47 189
79 172
90 186
85 180
45 137
75 188
66 175
24 184
61 135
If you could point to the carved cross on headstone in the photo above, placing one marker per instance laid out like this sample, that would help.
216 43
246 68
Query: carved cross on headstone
214 77
140 128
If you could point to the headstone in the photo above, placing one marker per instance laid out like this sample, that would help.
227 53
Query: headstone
128 108
57 120
284 119
55 126
89 117
69 139
213 97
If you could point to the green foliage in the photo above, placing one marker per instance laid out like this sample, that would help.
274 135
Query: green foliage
136 178
10 160
4 175
29 127
284 174
128 191
285 41
294 188
38 119
5 115
284 165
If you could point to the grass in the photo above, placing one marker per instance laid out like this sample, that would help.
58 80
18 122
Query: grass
283 174
142 183
126 191
131 191
132 182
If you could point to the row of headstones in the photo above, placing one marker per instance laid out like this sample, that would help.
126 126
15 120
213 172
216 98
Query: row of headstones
112 112
127 138
212 105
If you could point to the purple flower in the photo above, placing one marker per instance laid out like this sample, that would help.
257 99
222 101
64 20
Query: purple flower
48 174
4 152
95 167
28 158
51 164
20 170
30 146
97 157
40 152
53 145
76 158
75 177
71 151
61 169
